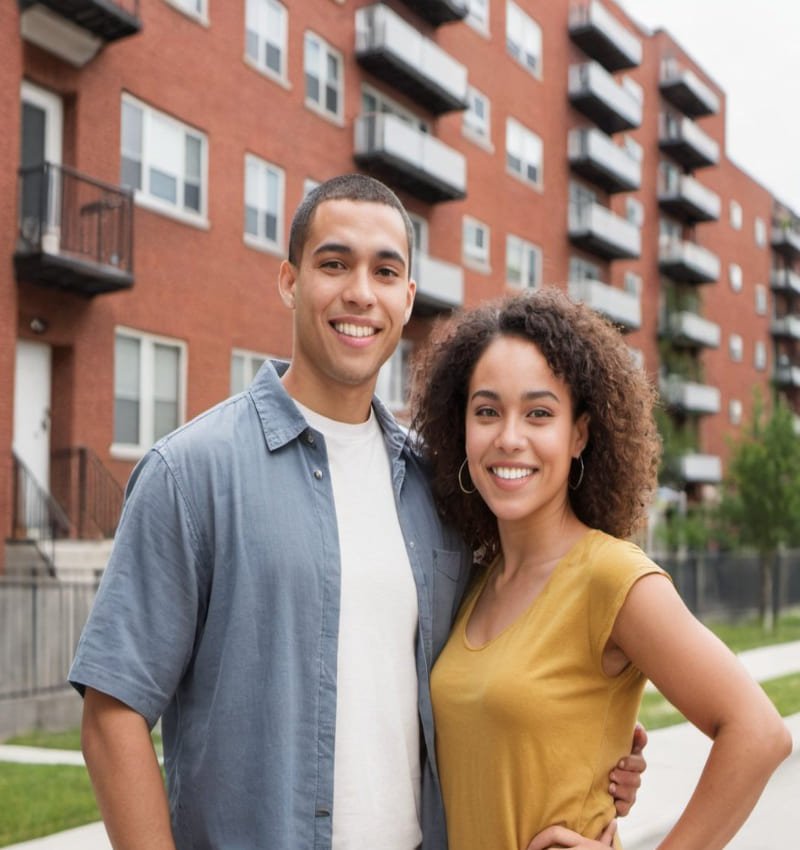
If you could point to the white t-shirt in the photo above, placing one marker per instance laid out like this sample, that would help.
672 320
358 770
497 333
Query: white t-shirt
377 760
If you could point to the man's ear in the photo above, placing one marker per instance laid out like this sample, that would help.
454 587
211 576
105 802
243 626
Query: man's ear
412 291
287 280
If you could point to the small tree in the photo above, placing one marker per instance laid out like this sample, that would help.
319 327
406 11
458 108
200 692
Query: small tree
760 505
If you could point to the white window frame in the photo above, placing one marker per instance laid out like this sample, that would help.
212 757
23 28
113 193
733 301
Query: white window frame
634 211
736 215
147 343
760 231
394 377
735 277
523 144
522 35
762 299
309 184
476 256
251 362
581 269
478 15
475 127
256 197
530 266
258 17
386 105
632 283
736 347
421 233
735 411
760 355
326 51
144 197
198 14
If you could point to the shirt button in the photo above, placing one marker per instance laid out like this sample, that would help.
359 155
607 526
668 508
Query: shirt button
411 544
318 474
309 438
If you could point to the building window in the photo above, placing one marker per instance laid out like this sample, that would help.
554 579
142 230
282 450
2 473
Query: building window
760 355
735 411
244 365
309 184
420 229
633 283
195 8
523 263
393 378
736 348
761 299
634 149
374 101
580 269
477 117
735 276
634 211
760 231
524 39
523 152
736 215
478 15
263 203
476 242
323 71
163 159
148 389
265 36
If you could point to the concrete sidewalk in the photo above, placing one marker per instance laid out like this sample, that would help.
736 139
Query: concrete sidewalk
675 758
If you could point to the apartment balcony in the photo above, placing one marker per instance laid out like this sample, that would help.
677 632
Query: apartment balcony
621 307
688 262
75 30
595 228
690 397
785 281
439 12
401 56
787 376
786 327
694 468
440 285
406 158
593 155
687 329
684 89
600 35
786 241
595 93
75 233
680 138
686 197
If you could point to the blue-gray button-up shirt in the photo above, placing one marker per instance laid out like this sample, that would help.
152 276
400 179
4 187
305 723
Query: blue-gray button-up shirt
219 610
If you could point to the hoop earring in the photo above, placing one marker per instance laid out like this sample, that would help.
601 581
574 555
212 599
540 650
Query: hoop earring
580 477
461 483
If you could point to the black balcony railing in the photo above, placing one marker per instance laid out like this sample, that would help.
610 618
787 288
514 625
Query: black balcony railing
89 494
75 232
439 11
107 19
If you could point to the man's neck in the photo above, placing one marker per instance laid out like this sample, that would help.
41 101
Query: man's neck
343 404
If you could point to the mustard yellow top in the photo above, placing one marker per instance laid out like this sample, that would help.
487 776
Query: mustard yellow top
528 726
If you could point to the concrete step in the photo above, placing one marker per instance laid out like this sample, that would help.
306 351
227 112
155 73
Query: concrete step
81 559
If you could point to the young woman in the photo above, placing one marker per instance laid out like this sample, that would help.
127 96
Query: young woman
544 453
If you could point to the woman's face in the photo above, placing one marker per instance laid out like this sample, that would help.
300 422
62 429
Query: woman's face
520 433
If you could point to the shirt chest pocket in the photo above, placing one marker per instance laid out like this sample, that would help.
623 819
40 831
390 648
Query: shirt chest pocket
447 584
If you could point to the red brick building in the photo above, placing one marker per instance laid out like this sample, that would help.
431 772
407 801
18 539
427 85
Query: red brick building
156 149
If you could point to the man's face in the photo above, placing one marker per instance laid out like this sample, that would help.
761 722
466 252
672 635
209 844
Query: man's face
351 294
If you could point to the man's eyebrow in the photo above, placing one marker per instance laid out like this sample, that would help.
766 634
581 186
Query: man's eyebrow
341 248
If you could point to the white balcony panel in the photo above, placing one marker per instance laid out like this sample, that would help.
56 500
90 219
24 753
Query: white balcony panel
787 376
594 155
416 160
621 307
786 240
687 91
786 326
785 280
688 261
686 142
58 35
689 396
700 468
603 37
598 95
688 327
399 53
684 194
440 285
595 228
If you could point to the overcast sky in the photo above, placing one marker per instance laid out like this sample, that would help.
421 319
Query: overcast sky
751 49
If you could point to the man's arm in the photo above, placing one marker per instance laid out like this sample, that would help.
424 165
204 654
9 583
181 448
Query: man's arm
626 777
125 774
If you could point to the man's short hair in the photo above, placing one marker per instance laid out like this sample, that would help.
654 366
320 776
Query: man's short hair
346 187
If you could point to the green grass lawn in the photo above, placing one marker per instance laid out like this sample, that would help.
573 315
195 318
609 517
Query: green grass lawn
748 634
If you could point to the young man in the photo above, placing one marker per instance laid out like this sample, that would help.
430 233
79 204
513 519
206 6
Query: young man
280 585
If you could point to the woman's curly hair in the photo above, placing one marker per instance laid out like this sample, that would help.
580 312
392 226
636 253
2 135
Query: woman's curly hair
592 358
